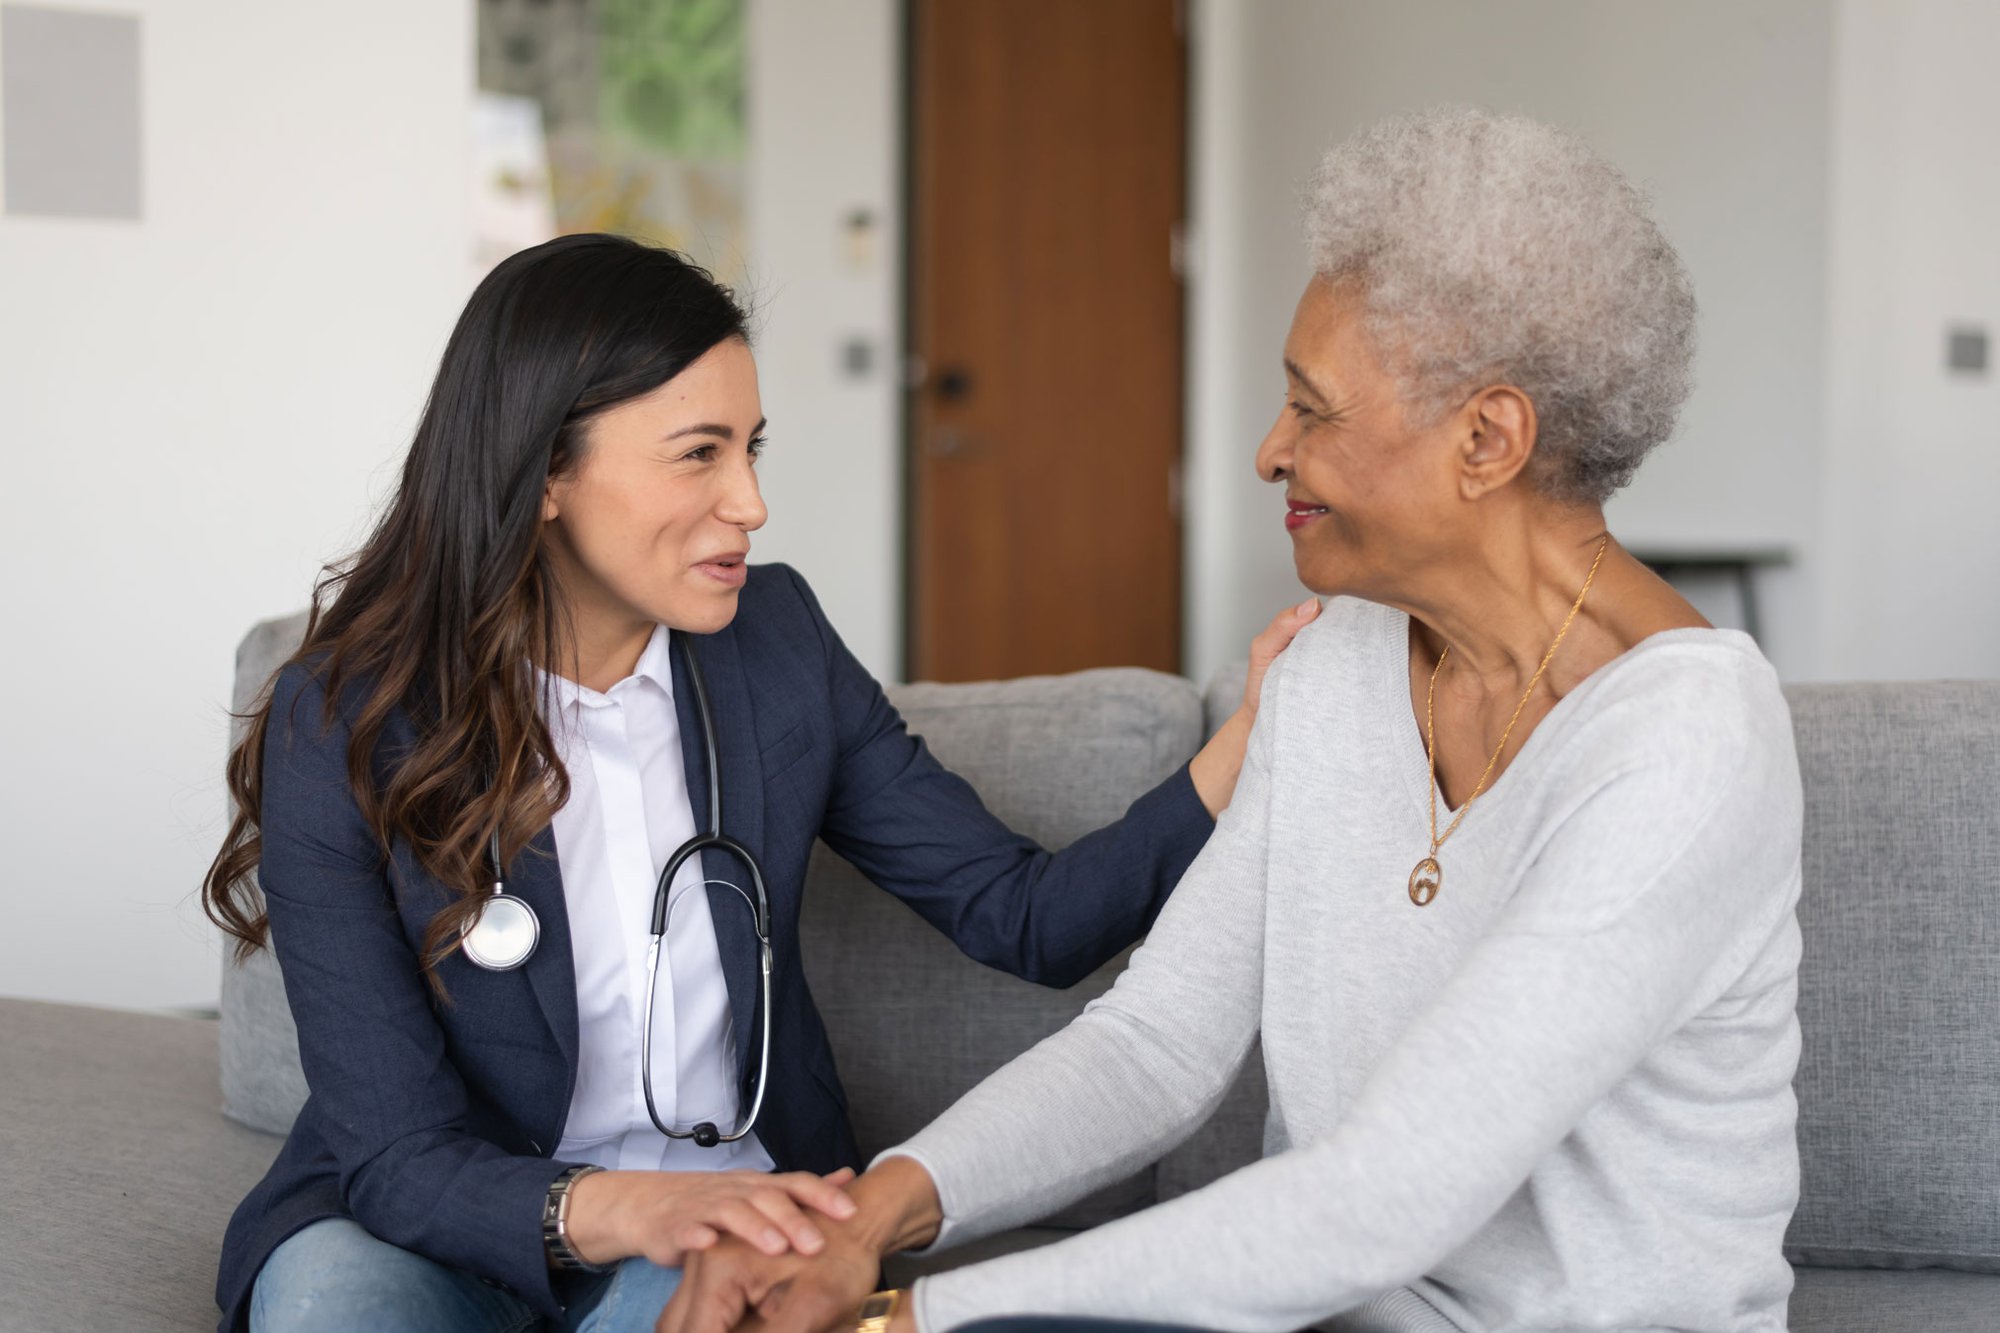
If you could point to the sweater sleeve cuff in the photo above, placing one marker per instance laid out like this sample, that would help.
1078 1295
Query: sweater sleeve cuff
926 1321
947 1227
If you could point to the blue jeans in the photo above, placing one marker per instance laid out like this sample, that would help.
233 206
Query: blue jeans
1052 1323
334 1277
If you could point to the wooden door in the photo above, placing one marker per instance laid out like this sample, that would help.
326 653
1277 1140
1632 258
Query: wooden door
1046 189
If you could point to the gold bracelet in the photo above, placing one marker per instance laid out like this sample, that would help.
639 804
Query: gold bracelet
877 1311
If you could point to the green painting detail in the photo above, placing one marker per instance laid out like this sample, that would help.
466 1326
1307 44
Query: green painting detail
673 74
642 106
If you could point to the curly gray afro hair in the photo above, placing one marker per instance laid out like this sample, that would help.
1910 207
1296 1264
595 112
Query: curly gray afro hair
1492 249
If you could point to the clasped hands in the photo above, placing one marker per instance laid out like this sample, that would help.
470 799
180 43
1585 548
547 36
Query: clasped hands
733 1285
792 1253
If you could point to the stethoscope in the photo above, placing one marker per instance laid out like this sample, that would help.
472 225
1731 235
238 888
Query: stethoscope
506 931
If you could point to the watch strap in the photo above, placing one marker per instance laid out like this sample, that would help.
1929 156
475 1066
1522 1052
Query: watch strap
555 1224
877 1311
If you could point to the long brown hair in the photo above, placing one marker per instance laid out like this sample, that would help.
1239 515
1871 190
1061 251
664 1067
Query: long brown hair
441 610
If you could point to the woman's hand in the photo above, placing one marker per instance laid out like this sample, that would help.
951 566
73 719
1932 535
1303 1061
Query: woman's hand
732 1286
668 1216
1214 770
1275 638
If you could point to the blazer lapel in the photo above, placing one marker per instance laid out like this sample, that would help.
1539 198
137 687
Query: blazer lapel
742 816
537 877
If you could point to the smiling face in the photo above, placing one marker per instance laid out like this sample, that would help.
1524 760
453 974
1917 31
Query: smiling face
652 524
1369 486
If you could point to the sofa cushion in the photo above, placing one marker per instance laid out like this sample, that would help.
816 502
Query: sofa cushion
1899 992
914 1023
1931 1300
121 1176
262 1084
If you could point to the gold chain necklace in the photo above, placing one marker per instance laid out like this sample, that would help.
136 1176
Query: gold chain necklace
1426 879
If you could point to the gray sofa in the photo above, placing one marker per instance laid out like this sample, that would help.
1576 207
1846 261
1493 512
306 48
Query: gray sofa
130 1137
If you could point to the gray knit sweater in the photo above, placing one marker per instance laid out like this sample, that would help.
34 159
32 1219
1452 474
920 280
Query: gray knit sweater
1558 1097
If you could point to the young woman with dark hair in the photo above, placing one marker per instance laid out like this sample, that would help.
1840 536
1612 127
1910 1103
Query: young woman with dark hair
471 803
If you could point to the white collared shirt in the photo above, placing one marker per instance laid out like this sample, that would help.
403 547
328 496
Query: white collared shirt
628 810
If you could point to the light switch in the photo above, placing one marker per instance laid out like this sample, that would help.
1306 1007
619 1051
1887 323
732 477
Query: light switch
857 358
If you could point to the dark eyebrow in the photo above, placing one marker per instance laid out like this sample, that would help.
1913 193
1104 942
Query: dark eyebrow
1298 373
716 429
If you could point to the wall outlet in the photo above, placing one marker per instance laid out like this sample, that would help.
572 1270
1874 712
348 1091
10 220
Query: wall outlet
1965 350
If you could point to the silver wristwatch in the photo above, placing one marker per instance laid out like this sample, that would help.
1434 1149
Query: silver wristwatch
555 1223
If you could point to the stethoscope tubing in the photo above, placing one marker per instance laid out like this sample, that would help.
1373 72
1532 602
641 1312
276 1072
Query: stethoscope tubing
524 937
706 1134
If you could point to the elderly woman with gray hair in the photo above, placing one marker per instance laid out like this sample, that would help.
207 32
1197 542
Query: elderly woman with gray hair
1508 884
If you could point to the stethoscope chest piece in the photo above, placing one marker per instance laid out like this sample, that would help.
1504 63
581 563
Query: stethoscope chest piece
504 934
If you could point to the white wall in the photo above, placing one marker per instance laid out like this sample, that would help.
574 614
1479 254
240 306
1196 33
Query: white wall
1912 461
196 410
825 141
1720 109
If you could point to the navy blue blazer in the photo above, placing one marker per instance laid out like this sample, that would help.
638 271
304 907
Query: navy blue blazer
432 1124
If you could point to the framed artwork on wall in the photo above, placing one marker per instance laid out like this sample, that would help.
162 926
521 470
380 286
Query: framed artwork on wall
612 115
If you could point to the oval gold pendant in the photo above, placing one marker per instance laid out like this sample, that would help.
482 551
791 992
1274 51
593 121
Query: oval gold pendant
1424 881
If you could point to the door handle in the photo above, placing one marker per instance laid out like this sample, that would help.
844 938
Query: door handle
954 384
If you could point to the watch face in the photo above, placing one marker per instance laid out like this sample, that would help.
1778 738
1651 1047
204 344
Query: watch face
878 1305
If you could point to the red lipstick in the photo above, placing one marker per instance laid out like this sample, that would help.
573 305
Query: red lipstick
1298 513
